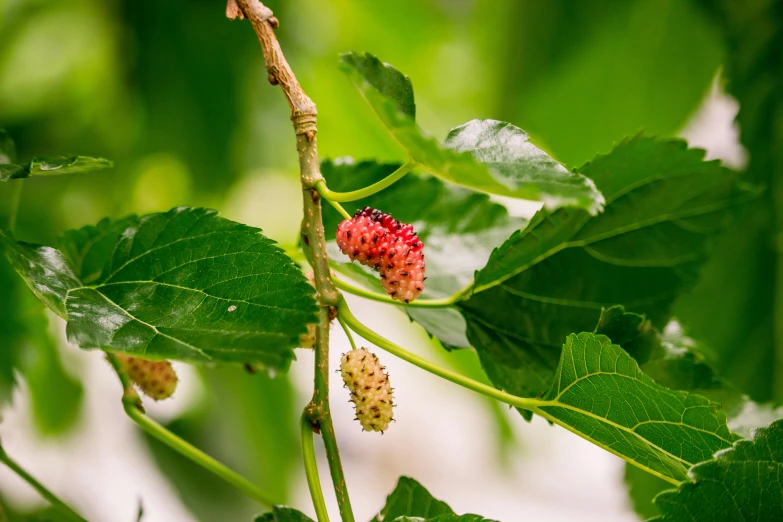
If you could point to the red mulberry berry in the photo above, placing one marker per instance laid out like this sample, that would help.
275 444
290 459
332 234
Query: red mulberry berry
371 392
378 240
156 379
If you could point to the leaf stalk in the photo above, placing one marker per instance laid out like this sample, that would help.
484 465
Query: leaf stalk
311 469
133 408
56 503
534 405
418 303
344 197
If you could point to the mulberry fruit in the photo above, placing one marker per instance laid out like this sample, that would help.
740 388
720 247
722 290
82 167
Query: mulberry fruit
378 240
156 379
370 390
307 340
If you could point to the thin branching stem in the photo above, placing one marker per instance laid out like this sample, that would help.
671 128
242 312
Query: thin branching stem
537 406
344 197
303 116
339 208
311 469
347 331
419 303
56 503
133 408
356 325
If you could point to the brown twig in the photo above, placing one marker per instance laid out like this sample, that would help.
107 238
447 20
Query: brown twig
303 116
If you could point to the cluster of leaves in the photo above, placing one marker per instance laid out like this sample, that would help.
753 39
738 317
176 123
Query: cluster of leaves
572 310
570 269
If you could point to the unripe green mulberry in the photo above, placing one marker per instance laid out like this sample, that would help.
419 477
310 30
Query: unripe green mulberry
371 392
307 340
156 379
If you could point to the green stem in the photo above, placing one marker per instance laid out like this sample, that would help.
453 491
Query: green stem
534 405
419 303
311 469
319 415
16 199
199 457
347 331
336 469
424 364
304 118
339 208
40 488
132 405
344 197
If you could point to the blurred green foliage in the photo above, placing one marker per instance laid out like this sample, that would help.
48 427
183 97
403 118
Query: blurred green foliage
737 306
177 96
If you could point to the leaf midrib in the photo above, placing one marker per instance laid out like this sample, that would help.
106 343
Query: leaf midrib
543 413
198 290
153 327
159 247
650 421
607 235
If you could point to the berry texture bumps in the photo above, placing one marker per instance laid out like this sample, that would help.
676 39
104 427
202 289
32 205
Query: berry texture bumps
156 379
370 390
378 240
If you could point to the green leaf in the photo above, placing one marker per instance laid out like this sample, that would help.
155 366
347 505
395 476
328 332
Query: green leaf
185 284
46 166
384 78
746 287
670 359
410 498
503 162
459 228
642 489
513 161
600 393
11 171
410 501
741 483
54 165
656 189
44 269
284 514
664 203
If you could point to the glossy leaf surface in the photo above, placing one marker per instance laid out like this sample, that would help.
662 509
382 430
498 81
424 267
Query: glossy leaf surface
184 285
410 501
600 393
485 155
741 483
554 277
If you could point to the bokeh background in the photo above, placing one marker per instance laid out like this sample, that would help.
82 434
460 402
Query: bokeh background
177 96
